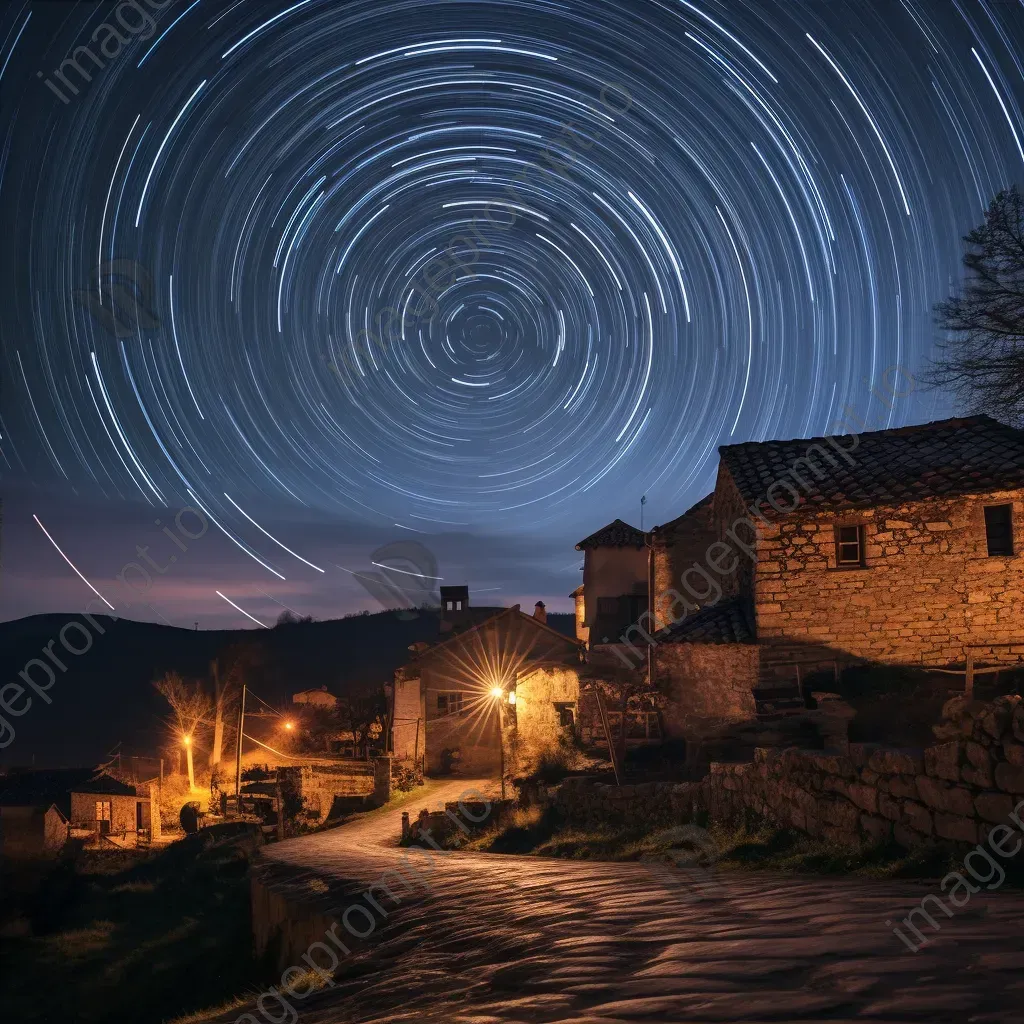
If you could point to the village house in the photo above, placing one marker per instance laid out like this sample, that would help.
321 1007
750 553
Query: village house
615 582
897 546
445 702
318 698
39 809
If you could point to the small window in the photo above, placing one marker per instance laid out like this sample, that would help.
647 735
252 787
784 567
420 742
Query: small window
449 703
449 606
999 529
458 606
103 810
849 545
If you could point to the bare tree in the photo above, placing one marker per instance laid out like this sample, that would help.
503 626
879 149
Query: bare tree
229 670
190 708
982 361
290 618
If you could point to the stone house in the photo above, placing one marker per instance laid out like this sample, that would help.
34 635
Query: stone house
899 546
91 802
615 582
443 701
31 831
319 698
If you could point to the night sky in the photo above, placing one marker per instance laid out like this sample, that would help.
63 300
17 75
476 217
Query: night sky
596 239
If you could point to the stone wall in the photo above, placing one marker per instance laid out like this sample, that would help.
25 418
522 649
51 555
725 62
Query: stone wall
321 787
407 732
123 810
738 544
953 791
676 546
927 588
706 685
538 727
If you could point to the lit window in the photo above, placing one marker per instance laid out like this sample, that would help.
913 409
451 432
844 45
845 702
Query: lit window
450 703
999 529
458 606
449 605
849 545
103 810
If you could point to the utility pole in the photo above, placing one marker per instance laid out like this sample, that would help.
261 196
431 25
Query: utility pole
501 746
238 754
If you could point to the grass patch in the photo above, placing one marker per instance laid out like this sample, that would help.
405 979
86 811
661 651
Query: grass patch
144 937
750 844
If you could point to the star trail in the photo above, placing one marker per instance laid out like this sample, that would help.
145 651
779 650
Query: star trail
492 266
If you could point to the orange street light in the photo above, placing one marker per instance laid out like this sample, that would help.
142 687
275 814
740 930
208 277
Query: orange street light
496 692
289 725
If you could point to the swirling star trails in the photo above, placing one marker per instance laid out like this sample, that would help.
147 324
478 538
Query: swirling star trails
483 268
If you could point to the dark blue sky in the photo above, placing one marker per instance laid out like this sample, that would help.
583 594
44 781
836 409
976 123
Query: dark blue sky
470 276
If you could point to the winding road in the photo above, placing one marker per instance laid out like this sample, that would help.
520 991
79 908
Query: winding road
495 940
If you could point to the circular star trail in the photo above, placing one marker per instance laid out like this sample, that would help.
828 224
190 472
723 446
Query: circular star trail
507 262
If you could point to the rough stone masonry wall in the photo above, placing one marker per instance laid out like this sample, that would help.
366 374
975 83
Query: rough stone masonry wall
538 725
676 546
928 586
707 686
955 790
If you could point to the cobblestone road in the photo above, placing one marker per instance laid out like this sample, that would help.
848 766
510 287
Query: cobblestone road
496 940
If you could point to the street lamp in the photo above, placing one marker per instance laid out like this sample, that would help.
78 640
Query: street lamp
500 696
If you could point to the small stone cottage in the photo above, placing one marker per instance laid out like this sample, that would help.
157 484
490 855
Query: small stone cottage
446 700
898 546
88 800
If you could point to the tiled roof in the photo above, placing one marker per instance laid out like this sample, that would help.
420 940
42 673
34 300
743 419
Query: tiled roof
616 534
699 513
881 467
721 623
41 788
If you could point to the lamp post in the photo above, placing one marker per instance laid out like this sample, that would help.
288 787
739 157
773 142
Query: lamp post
499 696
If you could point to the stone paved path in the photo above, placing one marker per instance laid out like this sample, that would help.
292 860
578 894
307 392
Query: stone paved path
497 940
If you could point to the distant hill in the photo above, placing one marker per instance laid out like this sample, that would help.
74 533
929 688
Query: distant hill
105 697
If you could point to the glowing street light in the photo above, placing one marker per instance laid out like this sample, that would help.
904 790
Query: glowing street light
187 740
289 725
499 695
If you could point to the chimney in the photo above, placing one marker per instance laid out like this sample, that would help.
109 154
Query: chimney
539 612
454 608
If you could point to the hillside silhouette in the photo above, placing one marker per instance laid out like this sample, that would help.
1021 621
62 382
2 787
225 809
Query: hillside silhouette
105 697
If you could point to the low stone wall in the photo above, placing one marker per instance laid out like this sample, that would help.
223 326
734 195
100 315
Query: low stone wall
587 801
954 791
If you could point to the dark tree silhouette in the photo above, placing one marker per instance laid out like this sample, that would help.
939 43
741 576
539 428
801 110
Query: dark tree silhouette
982 360
289 618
